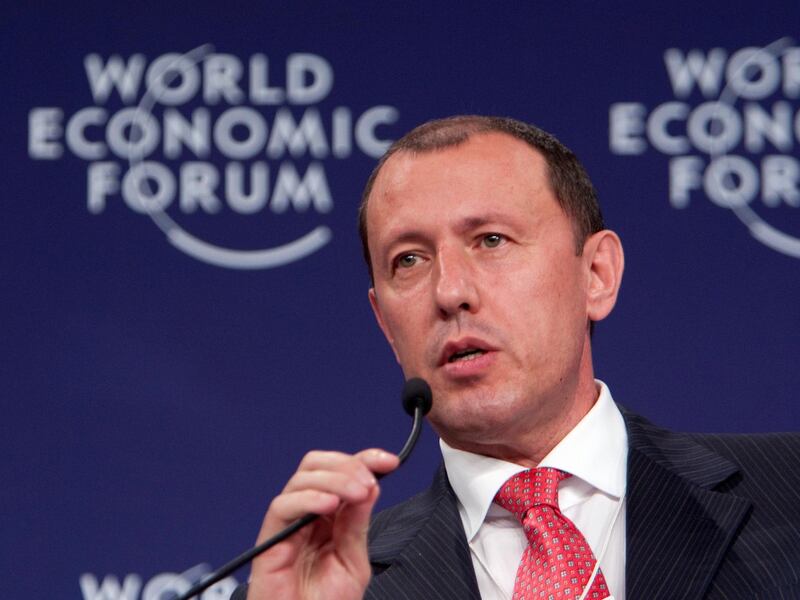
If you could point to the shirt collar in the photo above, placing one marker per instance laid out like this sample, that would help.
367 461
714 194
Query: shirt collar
594 451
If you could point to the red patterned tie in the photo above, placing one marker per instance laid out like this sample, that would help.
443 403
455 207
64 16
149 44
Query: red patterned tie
558 562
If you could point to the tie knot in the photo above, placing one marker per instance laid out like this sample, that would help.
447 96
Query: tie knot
534 487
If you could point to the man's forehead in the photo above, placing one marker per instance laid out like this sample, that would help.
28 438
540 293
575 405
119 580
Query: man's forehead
486 155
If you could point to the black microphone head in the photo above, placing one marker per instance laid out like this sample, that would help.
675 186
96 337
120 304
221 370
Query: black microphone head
417 392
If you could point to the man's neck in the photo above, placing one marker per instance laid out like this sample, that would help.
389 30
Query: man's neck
526 444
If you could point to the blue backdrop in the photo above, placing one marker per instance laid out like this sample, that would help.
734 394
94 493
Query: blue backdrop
184 307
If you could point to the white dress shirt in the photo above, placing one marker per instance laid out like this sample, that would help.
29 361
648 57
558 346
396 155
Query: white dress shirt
595 452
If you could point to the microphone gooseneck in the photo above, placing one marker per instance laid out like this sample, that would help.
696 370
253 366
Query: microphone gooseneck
417 400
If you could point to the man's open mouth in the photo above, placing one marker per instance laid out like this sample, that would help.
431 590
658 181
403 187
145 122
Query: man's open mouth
468 354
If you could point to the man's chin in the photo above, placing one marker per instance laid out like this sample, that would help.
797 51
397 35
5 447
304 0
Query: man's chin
474 424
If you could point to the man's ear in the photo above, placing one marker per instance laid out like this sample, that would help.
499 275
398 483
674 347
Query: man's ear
376 309
605 261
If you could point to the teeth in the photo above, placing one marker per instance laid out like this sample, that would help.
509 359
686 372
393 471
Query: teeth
471 354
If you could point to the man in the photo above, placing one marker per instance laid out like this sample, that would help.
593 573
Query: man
490 264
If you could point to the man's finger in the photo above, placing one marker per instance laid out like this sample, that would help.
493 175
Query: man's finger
350 536
286 508
348 487
378 460
336 462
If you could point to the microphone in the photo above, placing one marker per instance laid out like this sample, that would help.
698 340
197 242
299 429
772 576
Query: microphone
417 400
417 392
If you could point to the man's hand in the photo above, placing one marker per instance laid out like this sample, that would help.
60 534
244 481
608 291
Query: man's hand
327 559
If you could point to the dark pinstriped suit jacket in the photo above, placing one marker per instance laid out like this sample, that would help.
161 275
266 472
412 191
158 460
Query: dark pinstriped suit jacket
708 516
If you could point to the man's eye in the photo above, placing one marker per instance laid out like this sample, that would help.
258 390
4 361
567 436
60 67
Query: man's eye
493 240
407 260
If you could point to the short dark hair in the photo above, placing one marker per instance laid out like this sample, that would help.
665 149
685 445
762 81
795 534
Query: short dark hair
568 179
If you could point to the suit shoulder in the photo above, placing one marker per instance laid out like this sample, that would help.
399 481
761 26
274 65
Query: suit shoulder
769 466
753 448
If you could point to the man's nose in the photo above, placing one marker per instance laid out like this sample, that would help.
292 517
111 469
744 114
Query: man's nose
456 285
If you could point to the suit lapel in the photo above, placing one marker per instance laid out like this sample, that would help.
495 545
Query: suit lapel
678 528
423 553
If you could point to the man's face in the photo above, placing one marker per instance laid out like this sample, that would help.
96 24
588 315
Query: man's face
477 285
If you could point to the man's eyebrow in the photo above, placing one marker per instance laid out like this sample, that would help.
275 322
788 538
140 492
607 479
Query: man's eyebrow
470 223
465 225
407 236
